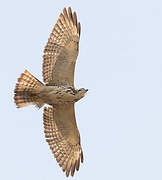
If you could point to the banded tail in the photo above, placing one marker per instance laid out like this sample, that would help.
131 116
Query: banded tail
26 90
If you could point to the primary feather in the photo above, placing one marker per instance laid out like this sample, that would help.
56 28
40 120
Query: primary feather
61 51
63 137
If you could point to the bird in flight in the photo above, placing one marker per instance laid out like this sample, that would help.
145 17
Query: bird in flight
58 92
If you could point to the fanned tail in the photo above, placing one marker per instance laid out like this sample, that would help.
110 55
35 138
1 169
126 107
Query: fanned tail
26 90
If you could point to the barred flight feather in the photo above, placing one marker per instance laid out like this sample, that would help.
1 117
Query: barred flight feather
67 155
25 91
65 30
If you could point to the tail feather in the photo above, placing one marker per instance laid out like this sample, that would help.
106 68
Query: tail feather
26 89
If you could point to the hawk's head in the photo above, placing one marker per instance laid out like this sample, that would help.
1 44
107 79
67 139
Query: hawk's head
82 92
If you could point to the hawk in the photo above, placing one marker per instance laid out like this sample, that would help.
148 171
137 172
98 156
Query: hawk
58 92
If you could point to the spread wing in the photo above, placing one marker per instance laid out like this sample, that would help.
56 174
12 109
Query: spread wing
61 50
63 137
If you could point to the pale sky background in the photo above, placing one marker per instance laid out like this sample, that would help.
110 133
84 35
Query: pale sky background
120 62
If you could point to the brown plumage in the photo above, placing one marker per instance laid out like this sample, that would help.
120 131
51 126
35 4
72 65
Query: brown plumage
26 90
61 50
59 121
64 146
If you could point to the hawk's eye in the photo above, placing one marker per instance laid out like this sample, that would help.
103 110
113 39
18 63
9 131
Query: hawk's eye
80 89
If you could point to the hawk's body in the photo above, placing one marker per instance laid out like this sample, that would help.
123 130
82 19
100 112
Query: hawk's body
54 95
59 60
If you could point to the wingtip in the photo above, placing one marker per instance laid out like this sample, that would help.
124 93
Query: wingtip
69 9
79 28
70 13
73 167
75 18
65 12
82 159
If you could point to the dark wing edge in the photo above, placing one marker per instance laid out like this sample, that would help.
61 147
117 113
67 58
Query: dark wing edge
67 155
66 28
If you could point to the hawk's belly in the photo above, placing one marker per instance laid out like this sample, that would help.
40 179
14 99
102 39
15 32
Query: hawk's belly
57 95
